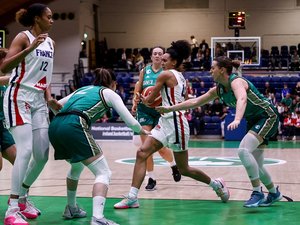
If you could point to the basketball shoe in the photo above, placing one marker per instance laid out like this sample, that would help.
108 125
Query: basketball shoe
73 212
102 221
255 200
127 203
271 198
151 185
176 174
29 210
222 191
14 217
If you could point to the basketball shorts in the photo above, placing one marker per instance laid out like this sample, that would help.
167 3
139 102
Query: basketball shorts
173 132
6 139
26 106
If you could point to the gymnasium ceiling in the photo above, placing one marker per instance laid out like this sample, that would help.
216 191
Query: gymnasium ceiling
8 9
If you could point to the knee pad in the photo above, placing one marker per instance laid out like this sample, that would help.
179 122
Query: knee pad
75 171
101 171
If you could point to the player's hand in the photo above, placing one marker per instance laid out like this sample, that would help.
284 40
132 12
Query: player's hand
233 125
39 39
54 104
163 109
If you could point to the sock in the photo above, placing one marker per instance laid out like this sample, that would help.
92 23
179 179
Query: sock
150 174
23 190
258 189
98 206
172 163
22 199
133 192
71 198
13 202
272 190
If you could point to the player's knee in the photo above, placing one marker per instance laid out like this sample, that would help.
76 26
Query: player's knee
242 152
142 154
104 177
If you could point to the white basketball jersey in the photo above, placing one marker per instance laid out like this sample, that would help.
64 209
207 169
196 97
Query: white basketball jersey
175 95
35 71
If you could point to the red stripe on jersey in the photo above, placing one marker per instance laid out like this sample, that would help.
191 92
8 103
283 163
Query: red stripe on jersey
182 131
19 120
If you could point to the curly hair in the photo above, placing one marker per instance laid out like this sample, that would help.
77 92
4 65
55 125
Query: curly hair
26 16
179 51
104 77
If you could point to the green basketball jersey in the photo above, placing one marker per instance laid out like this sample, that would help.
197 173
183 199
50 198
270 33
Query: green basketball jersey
257 104
150 78
2 92
88 100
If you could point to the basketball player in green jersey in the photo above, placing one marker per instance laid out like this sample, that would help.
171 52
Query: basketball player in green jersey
7 143
148 117
69 134
262 123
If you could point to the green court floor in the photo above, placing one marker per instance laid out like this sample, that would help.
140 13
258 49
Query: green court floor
169 212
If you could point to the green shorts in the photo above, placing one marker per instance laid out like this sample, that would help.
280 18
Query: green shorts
6 139
71 139
147 116
265 127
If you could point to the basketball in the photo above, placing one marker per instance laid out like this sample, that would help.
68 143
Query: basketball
147 91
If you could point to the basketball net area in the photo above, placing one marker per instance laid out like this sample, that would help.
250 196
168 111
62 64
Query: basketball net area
245 49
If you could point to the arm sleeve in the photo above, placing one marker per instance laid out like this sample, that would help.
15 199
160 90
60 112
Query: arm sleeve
113 100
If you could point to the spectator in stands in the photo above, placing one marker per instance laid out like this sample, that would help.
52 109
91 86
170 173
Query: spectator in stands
203 45
268 90
225 113
206 60
139 61
288 126
285 90
201 90
130 58
287 100
120 91
197 119
216 109
194 42
229 46
295 61
273 99
296 90
297 122
190 89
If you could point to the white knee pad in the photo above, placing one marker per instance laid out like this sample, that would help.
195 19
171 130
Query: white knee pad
249 142
101 171
75 171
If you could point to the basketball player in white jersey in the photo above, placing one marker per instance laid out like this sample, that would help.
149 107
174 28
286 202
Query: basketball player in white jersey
172 129
30 57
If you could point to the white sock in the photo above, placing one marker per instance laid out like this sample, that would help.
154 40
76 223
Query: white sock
150 174
13 203
133 192
258 189
71 198
172 163
98 206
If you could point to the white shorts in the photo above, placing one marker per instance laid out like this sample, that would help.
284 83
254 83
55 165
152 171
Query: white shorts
173 132
23 106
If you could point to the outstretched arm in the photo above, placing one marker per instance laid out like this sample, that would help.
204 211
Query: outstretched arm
113 100
191 103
